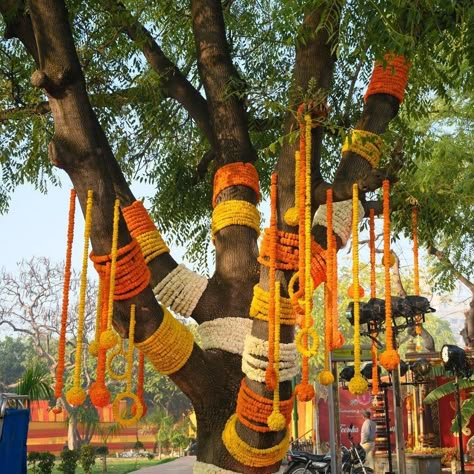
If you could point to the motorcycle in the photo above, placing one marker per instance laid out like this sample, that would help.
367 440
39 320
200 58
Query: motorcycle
353 459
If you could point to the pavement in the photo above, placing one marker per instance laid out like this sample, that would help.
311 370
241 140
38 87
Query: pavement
182 465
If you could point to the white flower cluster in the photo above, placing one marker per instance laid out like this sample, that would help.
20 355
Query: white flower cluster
205 468
254 366
181 290
227 334
341 218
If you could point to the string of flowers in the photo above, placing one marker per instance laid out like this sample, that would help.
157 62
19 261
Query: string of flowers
358 384
416 274
389 77
373 294
137 404
235 174
65 304
225 334
260 305
366 144
77 395
94 345
389 359
304 390
271 379
249 455
292 213
325 376
337 336
169 347
235 212
142 228
180 290
119 351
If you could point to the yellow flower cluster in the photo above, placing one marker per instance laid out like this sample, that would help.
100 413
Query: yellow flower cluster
152 245
366 144
249 455
235 212
259 308
169 347
76 395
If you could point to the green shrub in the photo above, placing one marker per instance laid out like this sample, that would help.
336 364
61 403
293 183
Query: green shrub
69 458
102 450
41 463
87 457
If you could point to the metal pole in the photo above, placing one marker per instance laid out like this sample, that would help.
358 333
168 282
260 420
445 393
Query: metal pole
334 421
458 413
317 441
398 414
295 411
387 431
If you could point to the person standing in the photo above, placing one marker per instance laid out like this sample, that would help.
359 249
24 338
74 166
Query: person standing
367 438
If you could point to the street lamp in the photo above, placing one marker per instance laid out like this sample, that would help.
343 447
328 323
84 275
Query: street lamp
454 360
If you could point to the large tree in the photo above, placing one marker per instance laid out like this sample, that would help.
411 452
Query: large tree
174 91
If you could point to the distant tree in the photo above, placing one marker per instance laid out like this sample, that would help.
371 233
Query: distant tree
15 352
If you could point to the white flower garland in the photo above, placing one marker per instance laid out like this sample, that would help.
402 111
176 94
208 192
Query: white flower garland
181 290
205 468
227 334
254 367
341 218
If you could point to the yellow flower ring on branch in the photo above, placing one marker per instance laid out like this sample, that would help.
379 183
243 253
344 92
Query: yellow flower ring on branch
138 409
366 144
169 347
312 350
235 212
249 455
259 307
358 385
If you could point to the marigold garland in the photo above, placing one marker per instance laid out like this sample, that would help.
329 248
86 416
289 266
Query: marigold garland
373 294
226 334
119 351
366 144
391 79
144 230
357 385
94 345
169 347
235 212
77 395
292 213
236 174
249 455
389 359
65 304
337 336
259 308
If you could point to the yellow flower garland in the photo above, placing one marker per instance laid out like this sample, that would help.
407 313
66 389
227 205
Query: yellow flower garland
169 347
248 455
77 395
119 351
358 385
366 144
259 307
235 212
152 245
292 213
94 345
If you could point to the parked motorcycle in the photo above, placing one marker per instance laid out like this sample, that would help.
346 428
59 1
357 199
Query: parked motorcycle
353 459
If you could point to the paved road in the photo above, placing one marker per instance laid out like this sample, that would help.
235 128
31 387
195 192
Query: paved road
182 465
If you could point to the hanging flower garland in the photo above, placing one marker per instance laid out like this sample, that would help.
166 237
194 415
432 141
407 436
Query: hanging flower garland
137 405
389 359
292 213
140 384
77 395
373 294
357 385
416 275
67 281
94 345
325 376
337 336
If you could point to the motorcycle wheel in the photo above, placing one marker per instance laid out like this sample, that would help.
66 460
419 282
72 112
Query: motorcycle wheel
362 470
299 469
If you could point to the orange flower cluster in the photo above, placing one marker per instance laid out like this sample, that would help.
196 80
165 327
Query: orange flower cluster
373 294
67 280
236 174
142 228
391 79
253 410
131 276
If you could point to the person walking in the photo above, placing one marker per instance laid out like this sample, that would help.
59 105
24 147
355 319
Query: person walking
367 438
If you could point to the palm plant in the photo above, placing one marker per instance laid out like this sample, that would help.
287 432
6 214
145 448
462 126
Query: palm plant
35 382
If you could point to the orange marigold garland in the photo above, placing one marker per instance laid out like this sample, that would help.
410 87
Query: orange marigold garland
337 336
373 294
389 359
77 395
358 384
389 78
67 281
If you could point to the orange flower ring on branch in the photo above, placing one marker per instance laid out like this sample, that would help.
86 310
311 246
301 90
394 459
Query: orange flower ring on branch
391 79
142 228
236 174
67 281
